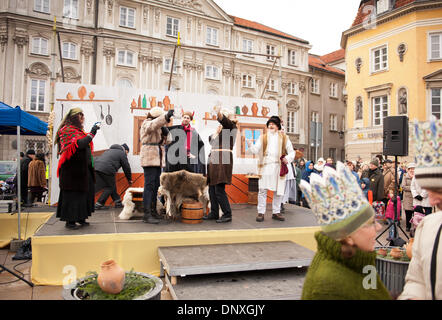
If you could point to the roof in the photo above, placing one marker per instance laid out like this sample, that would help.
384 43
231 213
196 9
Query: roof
240 22
11 117
362 14
334 56
317 62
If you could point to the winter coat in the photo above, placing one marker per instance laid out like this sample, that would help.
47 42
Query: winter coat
389 212
176 152
24 171
307 172
417 281
112 160
407 198
330 276
376 184
220 162
389 183
416 190
152 142
74 172
365 181
37 174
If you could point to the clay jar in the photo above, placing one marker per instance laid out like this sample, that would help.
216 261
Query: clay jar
111 277
382 252
410 248
255 109
396 253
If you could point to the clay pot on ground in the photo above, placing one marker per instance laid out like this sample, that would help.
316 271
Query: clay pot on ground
382 252
396 253
410 248
255 109
111 277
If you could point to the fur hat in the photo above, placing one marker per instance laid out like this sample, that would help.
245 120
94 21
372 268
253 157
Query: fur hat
276 120
155 112
427 138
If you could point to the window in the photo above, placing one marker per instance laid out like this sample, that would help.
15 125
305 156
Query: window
212 72
333 122
292 57
380 110
69 50
247 81
436 96
125 58
127 17
379 59
332 154
37 95
333 90
292 121
436 46
382 6
172 27
293 88
39 46
270 51
343 123
343 155
250 132
315 116
41 6
212 36
271 86
247 45
315 86
124 83
70 9
168 63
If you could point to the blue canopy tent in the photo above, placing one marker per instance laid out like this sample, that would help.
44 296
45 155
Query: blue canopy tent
14 121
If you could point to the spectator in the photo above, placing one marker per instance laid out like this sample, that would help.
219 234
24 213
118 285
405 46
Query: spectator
106 167
37 178
363 171
24 176
330 163
407 196
376 180
351 166
365 186
308 171
319 166
389 179
421 202
389 212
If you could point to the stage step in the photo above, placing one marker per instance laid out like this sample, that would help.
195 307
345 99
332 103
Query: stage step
222 258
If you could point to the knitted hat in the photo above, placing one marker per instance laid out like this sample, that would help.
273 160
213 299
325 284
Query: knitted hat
155 112
427 138
337 201
375 162
125 147
30 151
276 120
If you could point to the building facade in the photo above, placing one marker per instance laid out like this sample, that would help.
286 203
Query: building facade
394 67
130 43
327 110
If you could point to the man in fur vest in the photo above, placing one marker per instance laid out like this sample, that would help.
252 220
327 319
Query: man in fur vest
186 152
154 135
274 149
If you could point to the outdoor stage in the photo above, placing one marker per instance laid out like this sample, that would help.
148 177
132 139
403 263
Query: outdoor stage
60 255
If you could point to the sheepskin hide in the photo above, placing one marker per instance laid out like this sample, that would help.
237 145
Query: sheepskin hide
181 185
131 208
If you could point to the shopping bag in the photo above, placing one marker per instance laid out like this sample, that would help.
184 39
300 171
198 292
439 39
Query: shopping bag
379 209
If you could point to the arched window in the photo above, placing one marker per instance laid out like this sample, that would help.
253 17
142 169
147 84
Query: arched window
124 83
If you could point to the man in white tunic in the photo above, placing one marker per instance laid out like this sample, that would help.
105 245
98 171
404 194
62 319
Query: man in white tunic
272 148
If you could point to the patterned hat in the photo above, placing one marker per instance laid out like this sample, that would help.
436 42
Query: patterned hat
155 112
337 201
427 141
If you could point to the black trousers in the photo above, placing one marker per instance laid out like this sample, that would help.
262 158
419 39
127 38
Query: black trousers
151 185
218 199
408 215
106 183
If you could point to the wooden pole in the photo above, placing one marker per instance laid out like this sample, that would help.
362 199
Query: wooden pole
268 78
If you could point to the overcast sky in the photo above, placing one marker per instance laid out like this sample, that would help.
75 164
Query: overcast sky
320 22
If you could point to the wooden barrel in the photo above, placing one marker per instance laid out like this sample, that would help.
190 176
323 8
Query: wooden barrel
192 212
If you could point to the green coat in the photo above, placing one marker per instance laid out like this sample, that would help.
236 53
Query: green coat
332 277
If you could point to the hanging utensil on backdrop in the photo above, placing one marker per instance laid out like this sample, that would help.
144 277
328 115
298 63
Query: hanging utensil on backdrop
101 115
108 117
62 111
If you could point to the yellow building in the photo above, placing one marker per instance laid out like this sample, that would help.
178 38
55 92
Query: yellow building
394 67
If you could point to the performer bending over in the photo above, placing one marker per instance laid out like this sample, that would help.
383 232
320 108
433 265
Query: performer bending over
220 166
273 148
154 135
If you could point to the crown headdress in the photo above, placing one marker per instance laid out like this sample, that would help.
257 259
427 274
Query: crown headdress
427 140
337 201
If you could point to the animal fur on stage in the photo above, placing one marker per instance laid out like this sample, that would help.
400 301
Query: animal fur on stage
178 186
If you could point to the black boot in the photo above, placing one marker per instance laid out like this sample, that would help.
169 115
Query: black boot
282 208
211 216
118 204
148 218
225 218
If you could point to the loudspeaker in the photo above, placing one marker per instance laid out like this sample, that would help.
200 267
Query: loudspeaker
396 136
